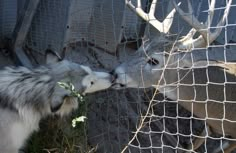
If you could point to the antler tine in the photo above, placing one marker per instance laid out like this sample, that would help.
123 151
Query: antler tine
211 13
139 4
153 7
163 27
221 23
134 9
169 19
192 21
206 36
189 36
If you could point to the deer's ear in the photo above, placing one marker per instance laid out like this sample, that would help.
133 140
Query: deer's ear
52 57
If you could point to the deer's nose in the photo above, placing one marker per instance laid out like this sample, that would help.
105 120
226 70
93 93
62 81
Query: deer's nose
114 76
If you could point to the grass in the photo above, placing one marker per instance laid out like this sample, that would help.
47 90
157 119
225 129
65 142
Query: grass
57 135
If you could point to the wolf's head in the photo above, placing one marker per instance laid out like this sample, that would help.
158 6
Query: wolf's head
82 77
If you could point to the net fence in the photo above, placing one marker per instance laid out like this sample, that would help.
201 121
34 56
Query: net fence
193 102
199 81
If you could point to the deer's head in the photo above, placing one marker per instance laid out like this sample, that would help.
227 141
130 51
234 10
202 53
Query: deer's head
161 52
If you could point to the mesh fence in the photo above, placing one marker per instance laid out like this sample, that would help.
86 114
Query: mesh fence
7 17
194 98
48 26
199 81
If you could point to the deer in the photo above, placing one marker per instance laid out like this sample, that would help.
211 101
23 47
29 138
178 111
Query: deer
205 88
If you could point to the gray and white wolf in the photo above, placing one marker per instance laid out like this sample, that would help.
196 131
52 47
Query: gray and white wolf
28 95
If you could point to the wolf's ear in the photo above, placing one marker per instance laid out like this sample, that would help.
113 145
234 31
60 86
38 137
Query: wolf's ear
52 57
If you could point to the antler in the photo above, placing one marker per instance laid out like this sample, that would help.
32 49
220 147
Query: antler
164 26
206 37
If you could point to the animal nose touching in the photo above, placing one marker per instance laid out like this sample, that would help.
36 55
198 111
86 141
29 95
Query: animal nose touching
116 84
114 77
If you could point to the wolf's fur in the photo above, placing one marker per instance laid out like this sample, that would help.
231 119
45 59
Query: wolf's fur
28 95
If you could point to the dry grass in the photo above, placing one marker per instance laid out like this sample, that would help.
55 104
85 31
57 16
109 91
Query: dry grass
57 135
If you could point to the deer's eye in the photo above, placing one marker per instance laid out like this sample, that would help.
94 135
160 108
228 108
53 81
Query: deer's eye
153 61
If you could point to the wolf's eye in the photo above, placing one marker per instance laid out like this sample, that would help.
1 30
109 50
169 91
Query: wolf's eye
92 82
153 61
